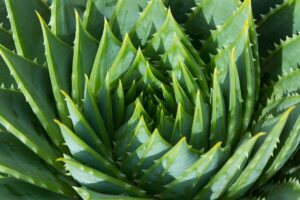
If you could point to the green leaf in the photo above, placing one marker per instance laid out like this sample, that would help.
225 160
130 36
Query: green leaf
136 70
259 161
83 128
182 125
151 19
62 22
145 155
201 122
163 40
97 181
263 7
207 16
82 152
59 60
177 56
7 41
18 161
104 100
222 180
3 15
218 115
132 140
85 48
92 114
197 175
286 86
14 189
252 84
283 59
181 8
235 104
124 58
226 34
109 48
91 195
187 80
271 30
132 118
22 18
181 96
169 166
287 190
94 14
125 15
165 125
278 106
17 116
287 148
34 83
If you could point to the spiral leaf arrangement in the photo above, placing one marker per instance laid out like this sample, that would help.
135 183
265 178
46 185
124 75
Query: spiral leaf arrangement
158 99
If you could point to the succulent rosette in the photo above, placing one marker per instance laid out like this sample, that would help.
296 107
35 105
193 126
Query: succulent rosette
157 99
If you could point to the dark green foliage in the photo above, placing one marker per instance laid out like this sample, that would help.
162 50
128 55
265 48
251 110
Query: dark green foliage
158 99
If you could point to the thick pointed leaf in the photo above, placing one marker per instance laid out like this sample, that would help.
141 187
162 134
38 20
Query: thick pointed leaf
92 114
286 86
104 100
207 16
125 15
85 48
218 115
144 156
178 57
7 41
235 104
252 84
62 22
271 30
109 48
263 7
283 59
222 180
82 152
17 116
3 15
132 140
181 8
18 161
169 166
59 60
181 96
288 147
287 190
152 17
92 195
34 82
163 39
201 122
124 58
226 34
118 106
83 128
259 161
14 189
197 175
94 14
22 18
97 181
182 125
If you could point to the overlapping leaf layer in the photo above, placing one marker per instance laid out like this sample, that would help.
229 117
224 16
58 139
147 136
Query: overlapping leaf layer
149 99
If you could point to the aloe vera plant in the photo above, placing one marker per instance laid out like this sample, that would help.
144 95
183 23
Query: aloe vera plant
149 99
